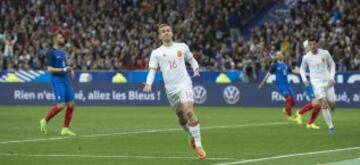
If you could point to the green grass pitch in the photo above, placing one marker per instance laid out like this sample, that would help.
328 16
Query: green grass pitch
151 135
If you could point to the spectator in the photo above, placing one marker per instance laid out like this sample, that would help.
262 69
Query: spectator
118 35
115 34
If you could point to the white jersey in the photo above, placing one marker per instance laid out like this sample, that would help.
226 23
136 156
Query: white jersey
9 45
321 66
171 60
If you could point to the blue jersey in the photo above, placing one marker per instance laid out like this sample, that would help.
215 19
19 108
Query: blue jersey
281 71
308 89
309 92
61 84
56 58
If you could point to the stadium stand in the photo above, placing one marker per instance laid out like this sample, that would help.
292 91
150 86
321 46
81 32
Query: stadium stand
119 35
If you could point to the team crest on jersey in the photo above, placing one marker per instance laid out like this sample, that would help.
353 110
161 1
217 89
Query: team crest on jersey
179 53
164 55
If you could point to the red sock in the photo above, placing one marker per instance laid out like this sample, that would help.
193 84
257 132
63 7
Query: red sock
306 108
290 102
314 115
68 116
53 111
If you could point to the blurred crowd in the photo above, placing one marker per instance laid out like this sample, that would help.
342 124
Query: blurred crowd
114 34
336 23
120 34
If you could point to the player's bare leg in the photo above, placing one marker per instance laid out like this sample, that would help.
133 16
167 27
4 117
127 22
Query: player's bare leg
68 116
332 106
327 115
194 128
183 123
53 111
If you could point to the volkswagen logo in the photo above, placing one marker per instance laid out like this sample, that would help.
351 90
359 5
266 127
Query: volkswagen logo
200 94
231 94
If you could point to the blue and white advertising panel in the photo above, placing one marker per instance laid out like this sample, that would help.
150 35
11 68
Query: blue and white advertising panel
206 94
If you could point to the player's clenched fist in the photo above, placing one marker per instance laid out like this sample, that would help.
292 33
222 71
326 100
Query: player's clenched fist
147 88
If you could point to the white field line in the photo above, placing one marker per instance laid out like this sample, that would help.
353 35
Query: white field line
108 156
346 161
289 155
141 132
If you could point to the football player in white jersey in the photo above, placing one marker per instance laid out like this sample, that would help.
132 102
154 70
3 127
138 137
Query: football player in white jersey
322 78
313 104
171 57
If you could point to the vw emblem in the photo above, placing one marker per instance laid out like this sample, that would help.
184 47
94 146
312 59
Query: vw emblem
200 94
231 94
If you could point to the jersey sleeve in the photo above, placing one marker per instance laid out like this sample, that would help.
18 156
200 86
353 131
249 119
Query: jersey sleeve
272 68
153 62
188 54
190 58
50 58
331 65
303 68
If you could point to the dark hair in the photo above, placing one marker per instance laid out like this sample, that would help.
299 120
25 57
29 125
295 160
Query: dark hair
53 37
313 39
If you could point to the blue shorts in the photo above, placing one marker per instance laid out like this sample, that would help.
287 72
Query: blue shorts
309 92
286 90
63 92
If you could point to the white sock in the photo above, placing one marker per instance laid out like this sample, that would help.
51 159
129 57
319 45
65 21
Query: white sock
195 133
186 129
327 116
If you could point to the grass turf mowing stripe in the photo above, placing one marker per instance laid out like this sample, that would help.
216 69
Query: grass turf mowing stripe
142 132
109 156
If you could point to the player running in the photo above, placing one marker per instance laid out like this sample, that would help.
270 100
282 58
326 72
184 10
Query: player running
171 57
281 71
322 78
63 90
313 104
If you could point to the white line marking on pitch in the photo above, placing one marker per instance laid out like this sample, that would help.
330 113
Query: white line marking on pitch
290 155
141 132
108 156
346 161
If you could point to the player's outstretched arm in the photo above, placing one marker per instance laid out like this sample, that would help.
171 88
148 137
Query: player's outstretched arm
303 71
195 66
149 79
264 80
332 66
189 57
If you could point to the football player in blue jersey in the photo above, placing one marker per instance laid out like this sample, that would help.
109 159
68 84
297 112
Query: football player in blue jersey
281 71
64 94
